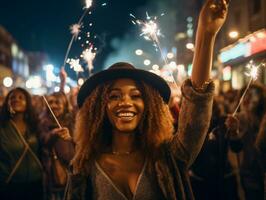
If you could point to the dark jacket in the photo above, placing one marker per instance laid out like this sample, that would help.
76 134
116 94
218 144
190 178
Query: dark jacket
64 149
178 153
21 173
261 148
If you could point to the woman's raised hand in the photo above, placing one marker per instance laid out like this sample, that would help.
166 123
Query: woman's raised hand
213 15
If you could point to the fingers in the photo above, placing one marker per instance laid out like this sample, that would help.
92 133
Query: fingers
232 122
217 5
62 133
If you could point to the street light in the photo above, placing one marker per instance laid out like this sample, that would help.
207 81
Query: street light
147 62
139 52
190 46
8 82
80 81
233 34
170 55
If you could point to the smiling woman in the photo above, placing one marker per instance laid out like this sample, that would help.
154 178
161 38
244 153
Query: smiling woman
125 106
125 142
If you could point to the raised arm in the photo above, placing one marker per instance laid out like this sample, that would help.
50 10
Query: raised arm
195 112
211 19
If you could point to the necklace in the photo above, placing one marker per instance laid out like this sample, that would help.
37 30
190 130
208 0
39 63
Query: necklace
121 153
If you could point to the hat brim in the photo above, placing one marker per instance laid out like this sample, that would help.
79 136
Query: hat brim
136 74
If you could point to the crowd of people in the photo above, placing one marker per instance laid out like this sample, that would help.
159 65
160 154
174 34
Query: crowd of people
229 165
123 136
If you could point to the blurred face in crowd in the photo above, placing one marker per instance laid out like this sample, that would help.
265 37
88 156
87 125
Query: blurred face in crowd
17 102
125 106
251 99
57 105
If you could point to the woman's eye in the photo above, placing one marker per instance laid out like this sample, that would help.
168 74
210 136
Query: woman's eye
136 96
114 97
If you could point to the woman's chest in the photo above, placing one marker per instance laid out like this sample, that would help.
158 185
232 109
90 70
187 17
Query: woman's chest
123 172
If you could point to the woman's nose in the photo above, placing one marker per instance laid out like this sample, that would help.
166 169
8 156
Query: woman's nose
125 101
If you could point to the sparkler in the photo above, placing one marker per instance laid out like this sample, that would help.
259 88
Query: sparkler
51 111
150 31
89 56
75 29
253 74
149 28
74 64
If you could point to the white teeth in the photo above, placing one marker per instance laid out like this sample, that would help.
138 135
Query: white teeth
125 114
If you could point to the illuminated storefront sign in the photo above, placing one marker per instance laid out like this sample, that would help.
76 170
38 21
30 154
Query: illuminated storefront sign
245 47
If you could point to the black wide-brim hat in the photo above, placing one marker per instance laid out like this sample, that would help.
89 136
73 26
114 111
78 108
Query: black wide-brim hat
123 70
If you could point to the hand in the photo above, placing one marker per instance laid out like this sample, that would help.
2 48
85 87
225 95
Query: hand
213 15
63 75
232 124
62 133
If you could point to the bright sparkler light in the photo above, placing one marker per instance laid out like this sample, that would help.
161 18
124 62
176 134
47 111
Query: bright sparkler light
74 64
150 31
88 4
253 74
149 28
88 56
253 70
75 29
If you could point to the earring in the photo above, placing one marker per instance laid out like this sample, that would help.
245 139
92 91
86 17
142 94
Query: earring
11 110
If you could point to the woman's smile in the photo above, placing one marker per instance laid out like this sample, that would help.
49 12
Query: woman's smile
125 105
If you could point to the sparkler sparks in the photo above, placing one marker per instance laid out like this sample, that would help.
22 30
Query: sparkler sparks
253 74
88 4
75 30
88 55
74 64
253 70
150 29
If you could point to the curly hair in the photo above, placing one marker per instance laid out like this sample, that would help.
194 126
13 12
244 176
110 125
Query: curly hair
30 115
93 129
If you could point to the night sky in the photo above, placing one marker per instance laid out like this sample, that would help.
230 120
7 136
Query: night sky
44 25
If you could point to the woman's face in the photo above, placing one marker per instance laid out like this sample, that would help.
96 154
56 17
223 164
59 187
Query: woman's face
125 106
17 102
56 104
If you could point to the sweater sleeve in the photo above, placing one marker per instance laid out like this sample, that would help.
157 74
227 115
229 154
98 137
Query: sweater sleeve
193 124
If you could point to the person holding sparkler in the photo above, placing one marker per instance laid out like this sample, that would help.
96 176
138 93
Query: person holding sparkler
250 116
125 144
56 127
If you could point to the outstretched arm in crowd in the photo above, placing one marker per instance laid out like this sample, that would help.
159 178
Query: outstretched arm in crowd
63 77
211 19
196 107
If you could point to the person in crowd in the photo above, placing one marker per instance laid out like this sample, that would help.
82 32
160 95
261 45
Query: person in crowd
21 172
212 175
250 116
125 146
260 145
38 103
56 143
